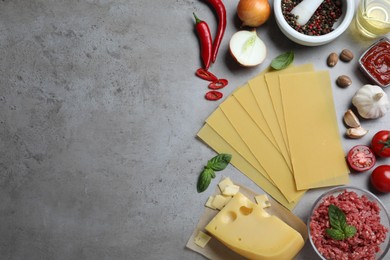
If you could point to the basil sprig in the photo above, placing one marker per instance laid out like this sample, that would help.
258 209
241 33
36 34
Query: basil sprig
283 60
339 230
217 163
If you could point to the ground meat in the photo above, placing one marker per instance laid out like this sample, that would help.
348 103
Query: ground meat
361 213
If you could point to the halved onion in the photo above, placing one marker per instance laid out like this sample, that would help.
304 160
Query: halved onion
247 48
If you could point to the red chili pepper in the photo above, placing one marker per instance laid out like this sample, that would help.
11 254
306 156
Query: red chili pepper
213 95
206 41
220 9
206 75
218 84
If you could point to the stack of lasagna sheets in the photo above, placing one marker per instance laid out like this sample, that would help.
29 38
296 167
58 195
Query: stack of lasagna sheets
281 130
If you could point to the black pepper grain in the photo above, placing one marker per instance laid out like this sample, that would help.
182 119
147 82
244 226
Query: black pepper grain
320 23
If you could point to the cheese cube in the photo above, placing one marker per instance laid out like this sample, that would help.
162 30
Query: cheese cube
230 190
219 201
201 239
225 182
263 201
209 203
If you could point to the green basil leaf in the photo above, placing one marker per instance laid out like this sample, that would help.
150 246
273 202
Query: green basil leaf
336 217
336 234
219 162
204 179
340 229
349 231
283 60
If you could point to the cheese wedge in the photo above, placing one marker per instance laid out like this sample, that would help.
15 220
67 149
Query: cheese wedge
250 231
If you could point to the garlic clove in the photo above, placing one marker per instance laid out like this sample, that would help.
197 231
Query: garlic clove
350 119
356 132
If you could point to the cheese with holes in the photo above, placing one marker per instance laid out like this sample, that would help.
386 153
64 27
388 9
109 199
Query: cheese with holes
250 231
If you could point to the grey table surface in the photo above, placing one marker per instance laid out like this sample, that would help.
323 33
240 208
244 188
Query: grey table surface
99 110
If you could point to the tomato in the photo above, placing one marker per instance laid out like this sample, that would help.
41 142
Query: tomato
380 143
380 178
360 158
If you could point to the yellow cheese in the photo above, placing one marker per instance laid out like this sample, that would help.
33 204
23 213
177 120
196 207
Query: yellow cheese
216 142
224 183
220 201
250 231
267 155
230 190
201 239
314 140
209 202
263 201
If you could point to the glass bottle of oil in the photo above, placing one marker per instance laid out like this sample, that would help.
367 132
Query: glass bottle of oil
373 18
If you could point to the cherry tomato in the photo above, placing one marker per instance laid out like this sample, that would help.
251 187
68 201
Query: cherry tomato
218 84
380 143
360 158
213 95
380 178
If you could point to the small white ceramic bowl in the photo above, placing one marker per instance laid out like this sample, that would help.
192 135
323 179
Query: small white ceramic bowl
339 27
334 192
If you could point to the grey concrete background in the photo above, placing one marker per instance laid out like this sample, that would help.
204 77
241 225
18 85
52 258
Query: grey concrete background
99 108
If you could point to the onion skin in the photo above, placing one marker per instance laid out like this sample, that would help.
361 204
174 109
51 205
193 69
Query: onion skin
253 13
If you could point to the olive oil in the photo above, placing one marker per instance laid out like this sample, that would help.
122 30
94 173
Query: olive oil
373 17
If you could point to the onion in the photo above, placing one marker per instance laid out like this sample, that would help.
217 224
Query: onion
247 48
253 12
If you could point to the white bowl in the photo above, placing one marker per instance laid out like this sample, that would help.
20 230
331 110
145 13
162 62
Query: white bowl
334 192
339 27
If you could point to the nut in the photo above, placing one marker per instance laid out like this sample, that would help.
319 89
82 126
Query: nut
356 132
332 59
343 81
346 55
350 119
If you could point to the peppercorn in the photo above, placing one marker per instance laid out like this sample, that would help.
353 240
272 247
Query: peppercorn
320 23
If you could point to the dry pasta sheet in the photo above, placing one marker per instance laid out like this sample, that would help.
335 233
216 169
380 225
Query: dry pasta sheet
282 131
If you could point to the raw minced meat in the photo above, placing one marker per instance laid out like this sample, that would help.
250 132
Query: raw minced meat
359 212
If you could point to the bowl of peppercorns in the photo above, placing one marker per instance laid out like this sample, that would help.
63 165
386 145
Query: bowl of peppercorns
328 22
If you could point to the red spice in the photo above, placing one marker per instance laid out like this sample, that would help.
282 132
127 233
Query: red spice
206 41
376 63
206 75
218 84
213 95
360 213
220 10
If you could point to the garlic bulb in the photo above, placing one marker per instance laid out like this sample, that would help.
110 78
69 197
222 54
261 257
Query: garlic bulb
371 101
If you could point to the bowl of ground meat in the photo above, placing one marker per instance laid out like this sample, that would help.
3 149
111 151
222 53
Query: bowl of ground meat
349 223
329 21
